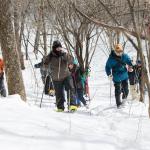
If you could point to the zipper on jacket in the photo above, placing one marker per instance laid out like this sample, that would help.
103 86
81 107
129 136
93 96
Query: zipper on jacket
59 69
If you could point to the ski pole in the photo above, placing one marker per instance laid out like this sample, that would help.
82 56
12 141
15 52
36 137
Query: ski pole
43 92
69 101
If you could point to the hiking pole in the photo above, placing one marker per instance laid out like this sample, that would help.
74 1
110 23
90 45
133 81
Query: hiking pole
69 101
42 97
43 91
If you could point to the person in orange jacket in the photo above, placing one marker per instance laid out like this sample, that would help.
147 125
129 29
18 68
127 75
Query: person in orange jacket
2 86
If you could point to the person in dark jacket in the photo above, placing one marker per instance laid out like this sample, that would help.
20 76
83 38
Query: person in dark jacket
116 70
77 75
43 69
58 62
135 73
46 78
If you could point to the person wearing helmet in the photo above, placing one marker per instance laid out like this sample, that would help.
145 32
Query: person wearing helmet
116 70
58 61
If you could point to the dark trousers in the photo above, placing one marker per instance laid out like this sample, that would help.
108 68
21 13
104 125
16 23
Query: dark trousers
80 98
60 87
2 87
121 87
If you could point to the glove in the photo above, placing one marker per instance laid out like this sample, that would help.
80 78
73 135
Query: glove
110 77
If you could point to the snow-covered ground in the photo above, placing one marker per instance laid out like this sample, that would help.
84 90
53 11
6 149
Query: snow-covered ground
26 126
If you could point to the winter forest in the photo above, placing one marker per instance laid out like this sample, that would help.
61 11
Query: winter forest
75 74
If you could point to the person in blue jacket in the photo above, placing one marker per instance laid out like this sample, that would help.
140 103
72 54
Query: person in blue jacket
116 69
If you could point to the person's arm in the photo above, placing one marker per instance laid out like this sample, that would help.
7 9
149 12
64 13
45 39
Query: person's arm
38 65
128 60
108 68
47 59
67 57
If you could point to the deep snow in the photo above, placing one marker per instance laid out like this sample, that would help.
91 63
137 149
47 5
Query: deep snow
25 126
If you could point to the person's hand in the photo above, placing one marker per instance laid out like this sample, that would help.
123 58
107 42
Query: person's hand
130 69
110 77
36 66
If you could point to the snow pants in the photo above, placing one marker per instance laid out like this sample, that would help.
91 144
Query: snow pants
80 98
60 87
2 87
121 87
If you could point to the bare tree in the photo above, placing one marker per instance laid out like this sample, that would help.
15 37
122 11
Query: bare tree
134 28
9 51
78 34
18 30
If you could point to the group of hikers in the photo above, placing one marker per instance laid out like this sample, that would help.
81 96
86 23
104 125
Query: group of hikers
60 73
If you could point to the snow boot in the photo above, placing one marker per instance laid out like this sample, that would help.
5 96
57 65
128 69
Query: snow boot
59 110
73 108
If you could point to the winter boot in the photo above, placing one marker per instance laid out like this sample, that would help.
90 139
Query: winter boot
118 101
59 110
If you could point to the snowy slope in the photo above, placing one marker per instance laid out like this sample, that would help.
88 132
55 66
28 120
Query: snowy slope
25 126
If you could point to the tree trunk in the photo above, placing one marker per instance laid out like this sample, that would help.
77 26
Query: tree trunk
10 54
44 28
36 43
17 36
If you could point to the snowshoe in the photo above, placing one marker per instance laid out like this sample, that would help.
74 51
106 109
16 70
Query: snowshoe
59 110
73 108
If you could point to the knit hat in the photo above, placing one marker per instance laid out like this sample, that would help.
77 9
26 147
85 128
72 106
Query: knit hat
56 44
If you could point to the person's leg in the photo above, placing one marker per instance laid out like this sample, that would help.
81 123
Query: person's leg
69 86
46 87
80 93
51 88
125 89
133 92
2 87
118 93
59 91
